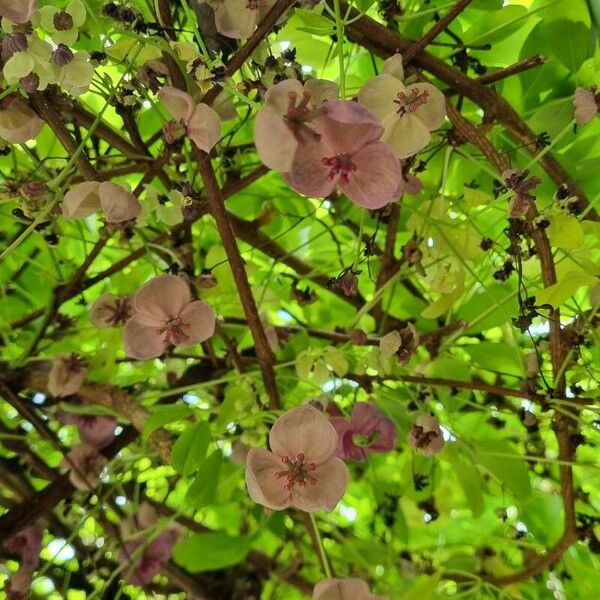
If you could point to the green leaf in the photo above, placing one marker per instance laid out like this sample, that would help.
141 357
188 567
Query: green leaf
496 357
561 291
314 22
190 448
163 415
500 459
468 476
304 365
496 26
203 489
336 359
211 551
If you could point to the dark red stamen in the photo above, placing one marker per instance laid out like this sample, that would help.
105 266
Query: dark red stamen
341 165
174 331
297 472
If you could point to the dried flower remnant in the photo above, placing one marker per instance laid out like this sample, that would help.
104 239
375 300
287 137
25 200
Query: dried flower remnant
426 436
346 282
97 431
587 104
349 155
85 464
18 11
344 589
282 126
520 182
84 199
402 342
301 469
67 375
165 314
369 430
109 311
18 122
238 19
200 122
408 113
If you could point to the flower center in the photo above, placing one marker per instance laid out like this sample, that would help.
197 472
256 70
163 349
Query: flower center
63 55
62 21
174 331
298 113
364 441
297 472
341 165
121 311
252 4
409 103
423 438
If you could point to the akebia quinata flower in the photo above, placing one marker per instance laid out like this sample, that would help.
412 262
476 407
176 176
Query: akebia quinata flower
85 464
347 155
408 113
18 122
200 122
109 311
301 468
426 436
369 430
17 11
164 314
238 19
67 375
343 589
95 430
587 104
282 126
26 545
116 203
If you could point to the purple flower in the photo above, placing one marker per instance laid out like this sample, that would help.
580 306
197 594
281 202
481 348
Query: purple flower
367 431
97 431
26 545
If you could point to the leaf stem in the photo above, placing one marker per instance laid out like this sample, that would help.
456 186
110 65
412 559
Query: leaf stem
319 545
339 30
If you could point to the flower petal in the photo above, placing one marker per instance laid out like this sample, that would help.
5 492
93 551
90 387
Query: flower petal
201 320
19 124
432 112
180 104
263 486
82 200
117 203
274 140
77 10
233 19
85 464
394 66
18 11
19 65
406 135
204 127
341 589
162 298
322 90
332 479
347 449
347 126
377 180
308 175
278 96
304 430
142 341
585 106
378 95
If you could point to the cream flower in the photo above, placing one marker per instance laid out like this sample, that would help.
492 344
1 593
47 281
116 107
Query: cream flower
408 113
36 58
587 104
63 25
202 124
84 199
85 464
426 435
75 74
17 11
283 125
18 122
67 375
238 18
343 589
301 469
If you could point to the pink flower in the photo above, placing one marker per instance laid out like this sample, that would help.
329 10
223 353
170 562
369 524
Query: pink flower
368 431
159 550
165 314
19 585
18 122
347 155
85 464
587 104
343 589
202 124
426 436
301 469
26 545
238 18
282 126
95 430
18 11
67 375
408 113
109 310
84 199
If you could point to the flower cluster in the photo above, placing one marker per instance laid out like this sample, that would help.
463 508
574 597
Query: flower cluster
32 61
320 143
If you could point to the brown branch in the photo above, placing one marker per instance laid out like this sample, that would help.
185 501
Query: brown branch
432 33
518 67
217 208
